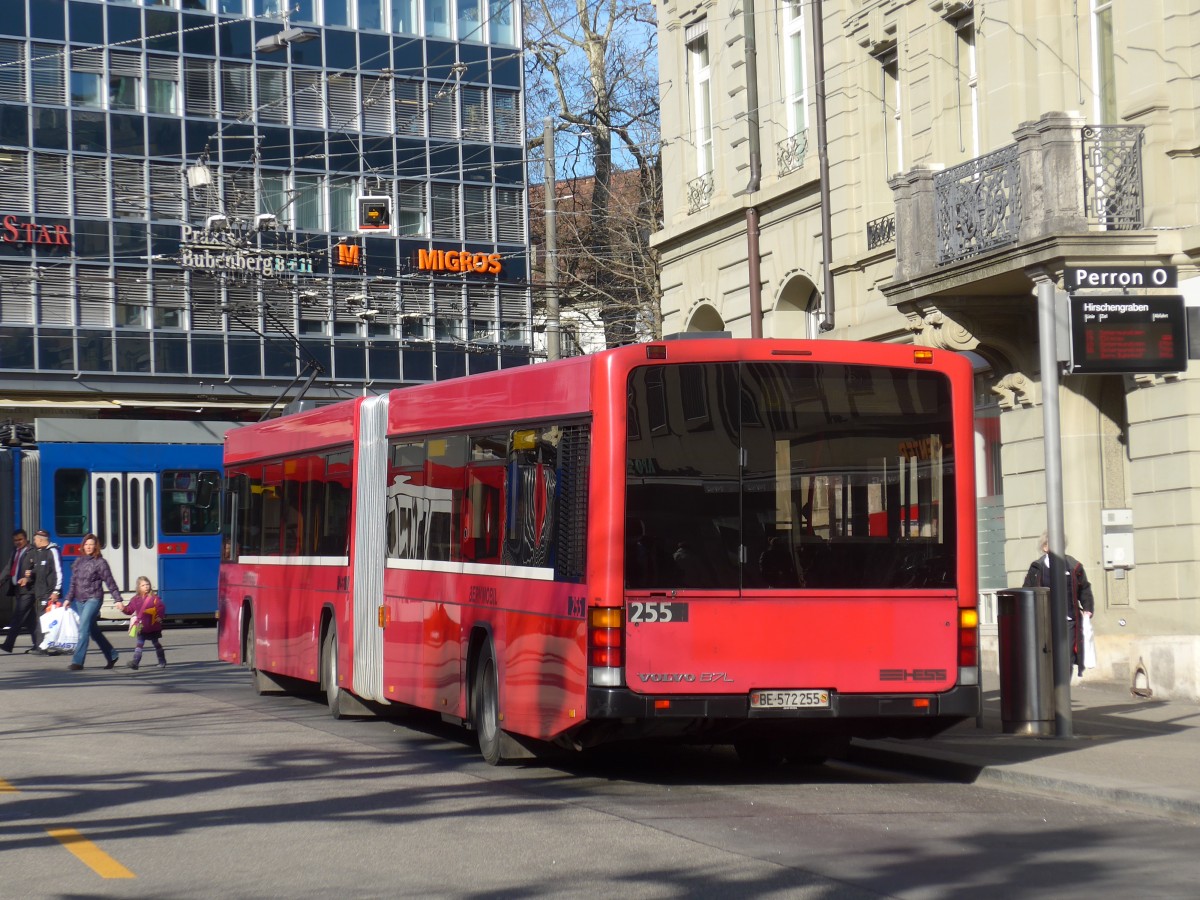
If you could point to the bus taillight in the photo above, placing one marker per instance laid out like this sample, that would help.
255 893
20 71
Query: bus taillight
606 646
968 646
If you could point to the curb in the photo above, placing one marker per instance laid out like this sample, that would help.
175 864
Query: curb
948 766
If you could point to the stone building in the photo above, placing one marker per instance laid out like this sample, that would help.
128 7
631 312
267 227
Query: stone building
975 150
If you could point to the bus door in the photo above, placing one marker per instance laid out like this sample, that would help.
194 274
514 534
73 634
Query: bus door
125 517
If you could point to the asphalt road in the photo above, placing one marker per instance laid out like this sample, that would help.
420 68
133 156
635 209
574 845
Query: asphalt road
183 783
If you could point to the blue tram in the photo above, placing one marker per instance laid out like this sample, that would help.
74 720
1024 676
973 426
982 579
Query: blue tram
150 490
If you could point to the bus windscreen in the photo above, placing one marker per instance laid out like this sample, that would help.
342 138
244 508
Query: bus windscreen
789 475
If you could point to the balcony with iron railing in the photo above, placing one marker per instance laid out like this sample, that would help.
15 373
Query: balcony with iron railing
881 231
790 152
1060 178
700 193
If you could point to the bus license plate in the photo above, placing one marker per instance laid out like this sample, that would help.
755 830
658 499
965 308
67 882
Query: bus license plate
789 699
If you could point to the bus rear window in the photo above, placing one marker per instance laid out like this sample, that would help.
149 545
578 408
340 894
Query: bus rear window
191 501
788 475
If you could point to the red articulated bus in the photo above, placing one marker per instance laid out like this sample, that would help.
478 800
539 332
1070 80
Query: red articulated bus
764 543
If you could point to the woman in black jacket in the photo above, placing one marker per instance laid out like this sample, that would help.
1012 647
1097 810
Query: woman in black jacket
89 576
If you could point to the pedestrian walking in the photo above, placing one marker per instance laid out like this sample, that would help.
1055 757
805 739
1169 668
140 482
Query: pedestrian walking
89 576
1080 603
17 583
147 611
44 570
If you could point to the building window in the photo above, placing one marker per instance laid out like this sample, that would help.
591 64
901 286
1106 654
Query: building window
12 71
309 203
370 14
404 17
510 216
795 63
968 85
304 11
470 21
477 213
123 92
893 143
701 78
437 18
506 116
337 12
501 22
342 192
445 211
411 209
1104 62
199 87
162 86
272 95
85 89
274 197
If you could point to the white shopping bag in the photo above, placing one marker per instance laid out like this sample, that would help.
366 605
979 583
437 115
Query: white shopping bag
1089 644
60 628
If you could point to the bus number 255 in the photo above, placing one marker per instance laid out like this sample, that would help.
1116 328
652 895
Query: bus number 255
648 612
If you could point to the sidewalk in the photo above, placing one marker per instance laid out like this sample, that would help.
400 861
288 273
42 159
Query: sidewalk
1135 753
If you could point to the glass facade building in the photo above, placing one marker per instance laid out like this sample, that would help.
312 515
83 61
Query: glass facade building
181 183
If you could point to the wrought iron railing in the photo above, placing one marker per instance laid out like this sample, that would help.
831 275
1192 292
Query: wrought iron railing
881 231
1112 176
700 191
977 205
791 151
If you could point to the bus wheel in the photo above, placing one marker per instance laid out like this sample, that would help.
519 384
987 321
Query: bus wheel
485 707
329 673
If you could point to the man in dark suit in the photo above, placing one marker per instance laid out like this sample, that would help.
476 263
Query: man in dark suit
17 583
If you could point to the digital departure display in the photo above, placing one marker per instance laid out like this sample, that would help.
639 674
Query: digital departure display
1128 334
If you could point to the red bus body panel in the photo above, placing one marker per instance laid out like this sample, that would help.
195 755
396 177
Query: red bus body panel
900 642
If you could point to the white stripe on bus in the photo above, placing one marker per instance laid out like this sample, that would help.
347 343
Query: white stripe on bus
410 565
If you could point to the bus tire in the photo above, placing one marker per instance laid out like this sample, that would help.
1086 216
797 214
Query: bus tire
329 672
485 707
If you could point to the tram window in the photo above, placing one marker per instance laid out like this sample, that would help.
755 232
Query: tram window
70 502
135 513
148 518
189 503
116 504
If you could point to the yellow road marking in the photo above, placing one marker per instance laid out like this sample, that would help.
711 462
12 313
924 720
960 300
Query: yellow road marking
91 855
6 788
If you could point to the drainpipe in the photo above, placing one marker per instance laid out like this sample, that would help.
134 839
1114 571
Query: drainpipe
823 159
752 129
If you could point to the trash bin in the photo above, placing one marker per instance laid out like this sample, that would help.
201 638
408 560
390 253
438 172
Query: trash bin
1026 661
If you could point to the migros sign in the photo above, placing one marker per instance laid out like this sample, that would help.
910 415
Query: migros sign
458 261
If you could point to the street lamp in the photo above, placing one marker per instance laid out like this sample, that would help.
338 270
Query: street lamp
290 35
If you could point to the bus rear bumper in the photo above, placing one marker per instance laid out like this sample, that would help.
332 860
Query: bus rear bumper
958 703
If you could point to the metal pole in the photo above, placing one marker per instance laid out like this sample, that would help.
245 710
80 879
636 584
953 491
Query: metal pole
553 345
818 14
1052 441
